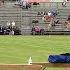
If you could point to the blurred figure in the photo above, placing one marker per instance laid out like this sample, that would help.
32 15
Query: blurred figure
25 4
8 23
13 24
37 29
1 2
67 25
21 1
49 13
1 30
47 18
54 12
69 18
64 4
30 60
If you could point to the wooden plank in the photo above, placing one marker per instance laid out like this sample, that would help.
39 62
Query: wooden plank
20 67
53 64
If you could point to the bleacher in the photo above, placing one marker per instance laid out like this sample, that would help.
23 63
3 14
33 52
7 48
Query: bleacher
9 13
23 17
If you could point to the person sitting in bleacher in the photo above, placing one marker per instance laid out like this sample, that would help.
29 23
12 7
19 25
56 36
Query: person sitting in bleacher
67 23
37 29
35 3
49 13
68 26
1 30
69 18
24 4
42 13
64 4
48 17
54 13
3 2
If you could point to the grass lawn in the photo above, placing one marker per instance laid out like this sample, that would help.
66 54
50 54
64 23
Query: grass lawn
18 49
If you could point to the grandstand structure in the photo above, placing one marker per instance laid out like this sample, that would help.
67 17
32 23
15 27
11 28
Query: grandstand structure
23 17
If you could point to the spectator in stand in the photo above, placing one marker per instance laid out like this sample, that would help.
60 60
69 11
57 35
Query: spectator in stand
8 24
1 30
54 12
42 13
21 2
50 24
37 29
69 18
49 13
45 13
13 24
67 25
39 13
3 2
47 18
11 32
64 4
24 3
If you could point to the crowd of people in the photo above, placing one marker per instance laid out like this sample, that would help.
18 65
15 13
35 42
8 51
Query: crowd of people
46 17
10 29
49 17
25 4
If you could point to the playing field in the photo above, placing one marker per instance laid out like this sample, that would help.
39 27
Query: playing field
18 49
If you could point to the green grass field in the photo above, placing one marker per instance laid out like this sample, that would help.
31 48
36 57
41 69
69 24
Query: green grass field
18 49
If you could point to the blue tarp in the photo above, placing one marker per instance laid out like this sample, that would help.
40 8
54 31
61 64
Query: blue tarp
59 58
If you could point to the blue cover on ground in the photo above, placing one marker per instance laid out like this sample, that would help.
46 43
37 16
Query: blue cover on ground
59 59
